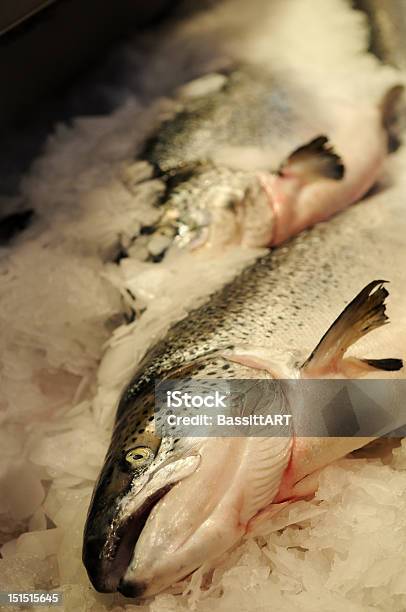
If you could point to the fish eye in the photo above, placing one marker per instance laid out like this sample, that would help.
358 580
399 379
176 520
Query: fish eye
138 456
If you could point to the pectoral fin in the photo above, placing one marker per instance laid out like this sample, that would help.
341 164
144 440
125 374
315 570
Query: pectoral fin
365 313
267 461
313 161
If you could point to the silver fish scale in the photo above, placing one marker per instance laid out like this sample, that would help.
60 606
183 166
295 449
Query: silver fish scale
253 108
227 183
255 309
274 302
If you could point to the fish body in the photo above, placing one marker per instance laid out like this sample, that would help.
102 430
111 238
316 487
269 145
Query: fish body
252 158
388 26
162 508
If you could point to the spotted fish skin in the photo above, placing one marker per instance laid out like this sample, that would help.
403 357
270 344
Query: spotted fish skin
249 107
284 302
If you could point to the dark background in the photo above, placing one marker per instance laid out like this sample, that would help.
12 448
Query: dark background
57 56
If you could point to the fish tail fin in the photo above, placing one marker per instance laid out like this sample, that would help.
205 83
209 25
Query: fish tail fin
390 107
366 312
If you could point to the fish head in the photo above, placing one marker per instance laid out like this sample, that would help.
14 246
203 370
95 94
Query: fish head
206 514
108 539
167 523
139 469
192 524
224 212
190 503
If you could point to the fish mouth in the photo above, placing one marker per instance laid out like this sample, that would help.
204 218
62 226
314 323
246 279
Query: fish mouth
107 559
135 590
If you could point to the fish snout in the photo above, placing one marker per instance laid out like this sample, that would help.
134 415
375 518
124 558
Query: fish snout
132 589
102 581
103 547
109 535
119 511
107 553
108 549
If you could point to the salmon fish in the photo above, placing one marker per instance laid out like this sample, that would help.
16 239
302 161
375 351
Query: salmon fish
252 159
163 507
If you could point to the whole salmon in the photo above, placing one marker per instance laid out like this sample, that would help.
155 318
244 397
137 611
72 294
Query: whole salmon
161 508
253 158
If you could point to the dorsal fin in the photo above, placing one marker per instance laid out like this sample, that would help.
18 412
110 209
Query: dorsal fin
363 314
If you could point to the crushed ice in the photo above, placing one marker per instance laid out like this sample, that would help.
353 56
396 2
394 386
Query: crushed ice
66 349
